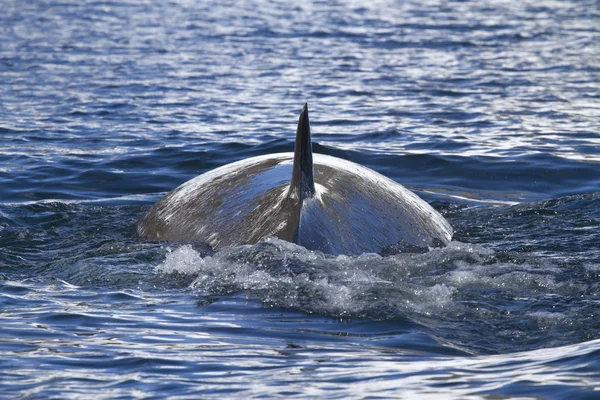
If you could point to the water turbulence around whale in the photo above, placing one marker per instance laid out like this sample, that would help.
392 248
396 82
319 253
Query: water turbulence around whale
317 201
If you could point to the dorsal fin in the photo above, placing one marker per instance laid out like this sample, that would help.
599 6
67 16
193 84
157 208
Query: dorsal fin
302 175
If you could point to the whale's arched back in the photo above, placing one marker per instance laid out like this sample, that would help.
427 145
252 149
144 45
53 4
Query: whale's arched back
321 202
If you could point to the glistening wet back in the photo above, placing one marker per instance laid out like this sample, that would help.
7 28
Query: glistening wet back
329 205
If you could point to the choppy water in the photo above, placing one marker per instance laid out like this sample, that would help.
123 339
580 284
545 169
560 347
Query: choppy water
488 110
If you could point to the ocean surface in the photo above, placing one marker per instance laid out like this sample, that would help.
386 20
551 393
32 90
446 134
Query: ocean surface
488 110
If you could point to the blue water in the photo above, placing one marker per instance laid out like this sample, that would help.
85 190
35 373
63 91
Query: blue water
490 111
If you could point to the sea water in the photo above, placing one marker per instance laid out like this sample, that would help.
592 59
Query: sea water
490 111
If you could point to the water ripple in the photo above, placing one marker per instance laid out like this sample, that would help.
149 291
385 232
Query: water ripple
489 110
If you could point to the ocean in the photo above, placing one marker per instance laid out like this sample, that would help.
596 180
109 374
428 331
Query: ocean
488 110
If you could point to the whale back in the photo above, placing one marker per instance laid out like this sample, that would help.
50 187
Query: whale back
239 203
329 204
353 210
357 210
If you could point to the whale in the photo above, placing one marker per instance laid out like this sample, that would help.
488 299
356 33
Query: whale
320 202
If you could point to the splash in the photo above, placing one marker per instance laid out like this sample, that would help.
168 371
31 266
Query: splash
283 274
464 293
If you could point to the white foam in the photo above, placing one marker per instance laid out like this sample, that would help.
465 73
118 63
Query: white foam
440 284
184 260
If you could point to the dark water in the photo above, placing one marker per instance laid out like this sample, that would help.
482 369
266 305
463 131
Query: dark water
488 110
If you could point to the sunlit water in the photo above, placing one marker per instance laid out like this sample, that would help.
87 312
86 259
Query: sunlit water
488 110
